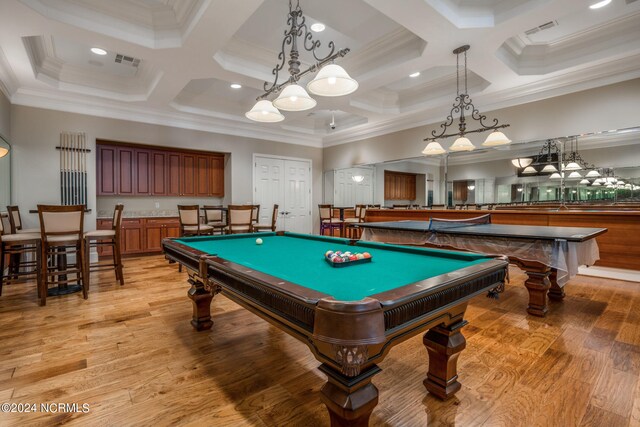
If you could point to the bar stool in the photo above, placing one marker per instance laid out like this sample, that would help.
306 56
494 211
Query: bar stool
214 217
328 222
16 221
272 226
255 216
350 229
190 221
15 246
100 238
240 219
61 230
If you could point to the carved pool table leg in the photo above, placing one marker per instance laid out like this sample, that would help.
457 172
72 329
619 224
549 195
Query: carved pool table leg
201 298
444 344
538 285
349 400
555 292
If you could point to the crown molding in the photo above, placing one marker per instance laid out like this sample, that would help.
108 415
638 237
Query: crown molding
8 81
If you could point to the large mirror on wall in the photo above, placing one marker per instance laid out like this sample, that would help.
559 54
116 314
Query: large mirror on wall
5 173
595 167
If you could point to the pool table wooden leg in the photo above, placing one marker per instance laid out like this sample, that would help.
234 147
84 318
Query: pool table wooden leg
555 292
349 400
444 344
201 298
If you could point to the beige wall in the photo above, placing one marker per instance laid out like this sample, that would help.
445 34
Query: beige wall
35 133
5 162
608 107
5 116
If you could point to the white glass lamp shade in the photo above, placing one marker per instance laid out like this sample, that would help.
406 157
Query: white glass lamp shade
471 187
529 169
332 80
592 174
556 175
584 181
264 111
519 189
357 178
433 149
294 98
573 166
610 180
596 184
621 182
575 175
521 162
462 144
549 168
3 151
495 139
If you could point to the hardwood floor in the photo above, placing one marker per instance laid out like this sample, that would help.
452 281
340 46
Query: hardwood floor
131 355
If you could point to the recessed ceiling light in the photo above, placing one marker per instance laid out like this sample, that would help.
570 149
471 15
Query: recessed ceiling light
98 51
416 74
600 4
235 86
319 26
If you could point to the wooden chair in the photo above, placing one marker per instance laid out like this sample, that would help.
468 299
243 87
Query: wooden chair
215 218
272 226
190 221
61 231
15 246
100 238
351 230
16 221
400 206
255 215
328 222
240 218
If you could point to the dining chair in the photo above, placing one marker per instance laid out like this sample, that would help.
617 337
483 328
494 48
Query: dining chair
61 231
272 226
16 221
214 216
189 216
102 238
328 222
15 247
240 218
351 230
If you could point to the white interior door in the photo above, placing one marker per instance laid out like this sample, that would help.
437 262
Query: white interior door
297 196
286 182
269 188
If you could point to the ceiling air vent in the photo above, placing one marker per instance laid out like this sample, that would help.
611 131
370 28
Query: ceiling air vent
127 60
544 26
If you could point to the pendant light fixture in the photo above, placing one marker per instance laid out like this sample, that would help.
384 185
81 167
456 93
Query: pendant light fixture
331 80
463 103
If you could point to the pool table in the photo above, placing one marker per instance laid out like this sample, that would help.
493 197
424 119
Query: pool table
350 317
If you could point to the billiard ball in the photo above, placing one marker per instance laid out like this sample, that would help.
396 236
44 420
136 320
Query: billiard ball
258 241
366 255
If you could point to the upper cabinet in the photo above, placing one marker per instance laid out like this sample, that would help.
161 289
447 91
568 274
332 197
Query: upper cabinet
399 185
124 170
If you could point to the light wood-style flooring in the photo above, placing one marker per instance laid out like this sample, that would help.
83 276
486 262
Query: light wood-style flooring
131 354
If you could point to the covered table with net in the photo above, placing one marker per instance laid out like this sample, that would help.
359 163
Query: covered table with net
550 256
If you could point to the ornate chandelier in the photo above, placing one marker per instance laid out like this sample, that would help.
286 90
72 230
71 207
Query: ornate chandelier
463 103
331 80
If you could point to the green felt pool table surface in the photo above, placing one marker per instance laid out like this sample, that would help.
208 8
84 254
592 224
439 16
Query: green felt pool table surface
299 258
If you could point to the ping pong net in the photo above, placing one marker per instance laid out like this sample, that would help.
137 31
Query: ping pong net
437 224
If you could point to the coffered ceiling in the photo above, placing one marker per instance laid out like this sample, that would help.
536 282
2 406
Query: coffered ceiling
172 61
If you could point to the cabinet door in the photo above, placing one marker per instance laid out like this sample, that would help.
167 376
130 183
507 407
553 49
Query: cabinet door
188 174
202 176
216 176
154 231
126 173
131 236
159 169
173 174
106 170
142 159
172 229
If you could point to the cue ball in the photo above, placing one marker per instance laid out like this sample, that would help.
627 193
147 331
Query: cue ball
258 241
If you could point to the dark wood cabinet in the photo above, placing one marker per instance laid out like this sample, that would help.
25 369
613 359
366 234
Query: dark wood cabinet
216 176
130 170
140 235
188 175
173 174
399 186
106 170
159 178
